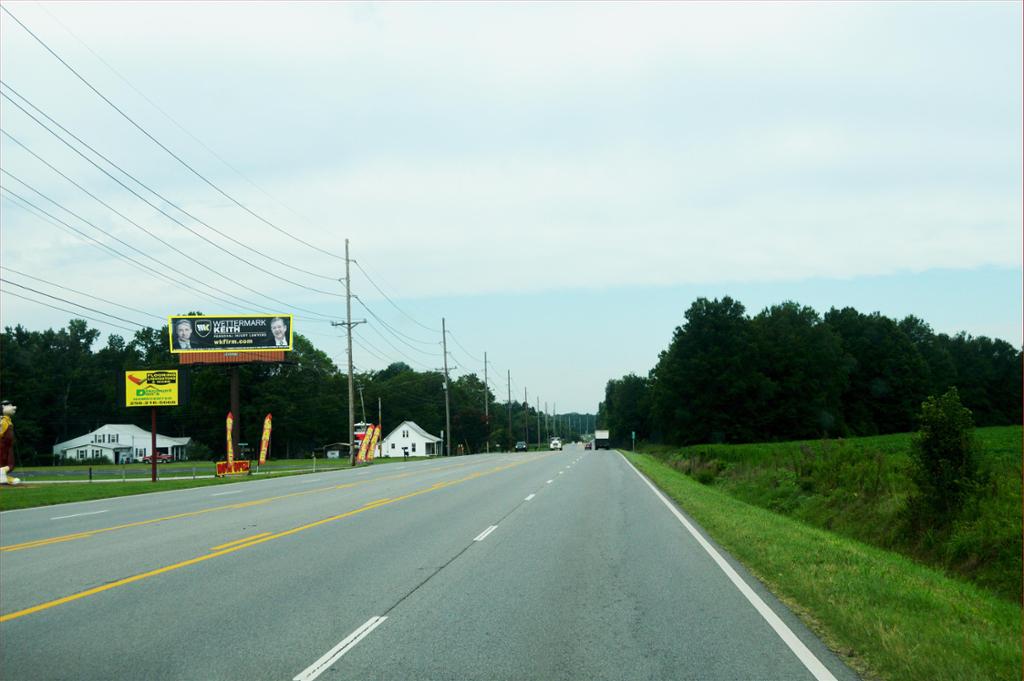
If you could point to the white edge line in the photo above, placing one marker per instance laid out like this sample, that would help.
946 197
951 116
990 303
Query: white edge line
75 515
483 535
813 664
221 494
331 656
529 497
550 481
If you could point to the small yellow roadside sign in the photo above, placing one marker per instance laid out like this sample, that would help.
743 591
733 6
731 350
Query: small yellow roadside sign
151 388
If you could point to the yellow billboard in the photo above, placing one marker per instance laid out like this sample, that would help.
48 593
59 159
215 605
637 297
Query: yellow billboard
151 388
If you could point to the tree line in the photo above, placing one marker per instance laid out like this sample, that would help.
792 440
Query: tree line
789 373
64 388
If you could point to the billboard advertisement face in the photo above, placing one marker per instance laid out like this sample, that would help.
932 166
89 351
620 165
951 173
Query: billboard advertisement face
151 388
238 333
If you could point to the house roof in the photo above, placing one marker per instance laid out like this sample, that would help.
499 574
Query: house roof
412 425
126 432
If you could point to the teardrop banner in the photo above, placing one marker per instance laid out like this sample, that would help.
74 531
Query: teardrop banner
265 440
364 443
373 444
231 447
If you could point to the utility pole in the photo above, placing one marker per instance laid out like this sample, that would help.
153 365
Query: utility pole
538 422
362 404
487 405
508 433
348 324
447 408
526 417
547 423
380 418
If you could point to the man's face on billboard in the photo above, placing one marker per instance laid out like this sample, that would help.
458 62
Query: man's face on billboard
183 331
278 329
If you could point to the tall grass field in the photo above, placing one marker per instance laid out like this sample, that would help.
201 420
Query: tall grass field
859 488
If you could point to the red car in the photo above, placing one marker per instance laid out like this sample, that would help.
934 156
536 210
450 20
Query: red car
587 446
160 458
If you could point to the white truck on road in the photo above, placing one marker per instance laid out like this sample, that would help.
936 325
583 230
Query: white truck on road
601 439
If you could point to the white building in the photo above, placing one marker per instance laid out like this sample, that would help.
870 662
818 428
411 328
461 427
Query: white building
120 443
410 437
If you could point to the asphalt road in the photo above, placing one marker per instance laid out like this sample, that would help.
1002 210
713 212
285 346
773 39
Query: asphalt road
561 565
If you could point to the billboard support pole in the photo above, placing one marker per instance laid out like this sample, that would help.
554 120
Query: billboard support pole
235 409
152 451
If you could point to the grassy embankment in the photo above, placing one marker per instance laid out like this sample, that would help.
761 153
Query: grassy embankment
859 488
886 615
29 495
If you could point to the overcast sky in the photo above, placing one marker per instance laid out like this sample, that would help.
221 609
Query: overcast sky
559 181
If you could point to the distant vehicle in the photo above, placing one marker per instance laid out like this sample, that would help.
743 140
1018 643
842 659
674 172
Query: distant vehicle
587 446
601 439
556 443
521 446
160 458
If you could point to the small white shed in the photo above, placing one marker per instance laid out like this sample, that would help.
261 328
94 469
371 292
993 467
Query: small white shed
409 437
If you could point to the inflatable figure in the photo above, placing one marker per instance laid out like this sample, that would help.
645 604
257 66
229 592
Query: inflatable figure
7 444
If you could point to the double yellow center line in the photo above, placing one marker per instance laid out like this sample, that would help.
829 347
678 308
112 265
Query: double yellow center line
232 547
189 514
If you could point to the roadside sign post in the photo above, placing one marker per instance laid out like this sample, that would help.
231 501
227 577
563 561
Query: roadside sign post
633 435
151 388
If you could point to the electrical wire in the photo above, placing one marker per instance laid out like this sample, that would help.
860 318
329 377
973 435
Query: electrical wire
393 303
132 222
470 354
104 300
400 337
151 205
159 144
43 214
71 302
141 183
76 315
173 120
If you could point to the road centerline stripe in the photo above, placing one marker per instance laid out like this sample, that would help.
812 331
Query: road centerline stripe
76 515
334 654
529 497
239 541
483 535
252 541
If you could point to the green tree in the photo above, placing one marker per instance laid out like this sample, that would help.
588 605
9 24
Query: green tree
944 460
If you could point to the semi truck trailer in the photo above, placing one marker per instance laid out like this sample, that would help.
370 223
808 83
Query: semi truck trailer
600 439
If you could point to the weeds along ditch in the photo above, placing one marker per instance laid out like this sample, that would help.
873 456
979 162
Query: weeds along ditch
860 487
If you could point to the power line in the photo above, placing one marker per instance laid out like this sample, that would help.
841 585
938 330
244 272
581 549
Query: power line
471 355
147 202
134 223
172 119
140 182
393 304
159 144
71 302
71 312
397 334
104 300
42 214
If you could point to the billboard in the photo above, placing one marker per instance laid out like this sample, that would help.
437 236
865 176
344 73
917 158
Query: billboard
236 333
151 388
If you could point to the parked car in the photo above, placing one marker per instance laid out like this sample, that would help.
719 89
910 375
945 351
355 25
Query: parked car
160 458
587 446
521 446
556 443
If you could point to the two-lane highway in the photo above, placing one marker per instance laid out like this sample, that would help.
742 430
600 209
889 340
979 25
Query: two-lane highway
561 565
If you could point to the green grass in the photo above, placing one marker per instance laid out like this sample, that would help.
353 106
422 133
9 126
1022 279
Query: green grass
886 615
859 487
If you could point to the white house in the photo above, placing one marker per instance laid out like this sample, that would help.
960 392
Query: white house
120 443
410 437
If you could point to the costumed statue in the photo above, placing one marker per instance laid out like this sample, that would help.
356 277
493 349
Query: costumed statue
7 444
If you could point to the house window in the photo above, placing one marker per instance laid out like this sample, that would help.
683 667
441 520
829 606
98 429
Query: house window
414 446
392 445
114 436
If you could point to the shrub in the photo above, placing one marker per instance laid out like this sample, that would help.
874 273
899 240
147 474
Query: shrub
944 465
